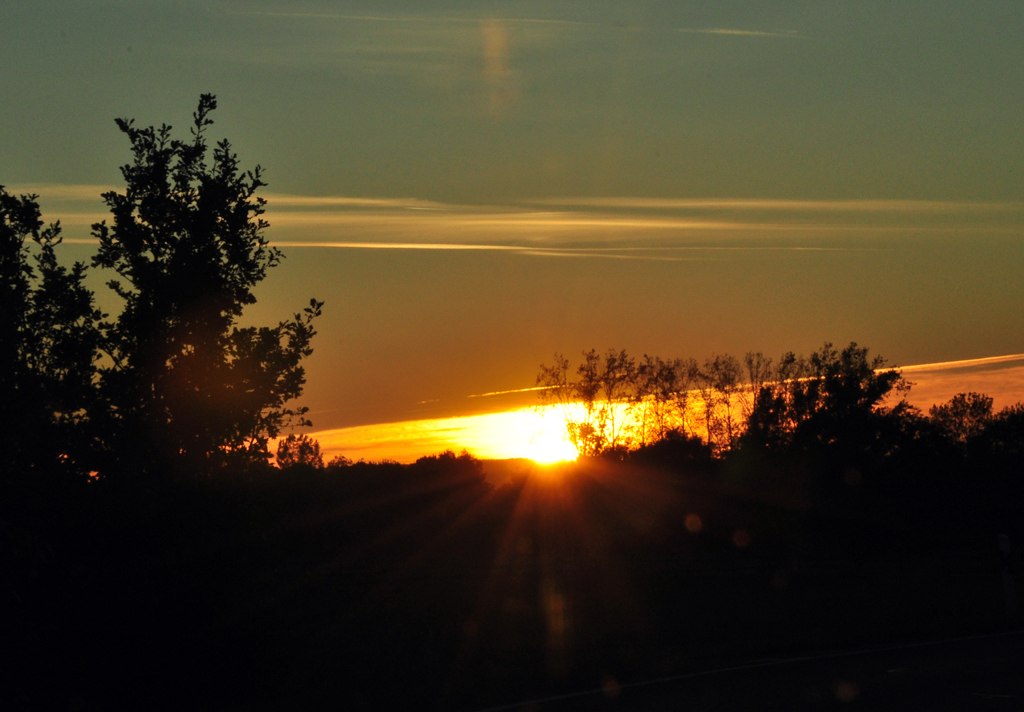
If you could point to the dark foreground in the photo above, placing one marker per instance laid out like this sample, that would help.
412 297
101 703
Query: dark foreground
388 587
973 673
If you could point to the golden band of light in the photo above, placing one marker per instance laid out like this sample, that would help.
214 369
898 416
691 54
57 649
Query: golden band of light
539 433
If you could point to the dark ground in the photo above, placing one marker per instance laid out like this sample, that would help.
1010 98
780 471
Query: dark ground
976 673
394 588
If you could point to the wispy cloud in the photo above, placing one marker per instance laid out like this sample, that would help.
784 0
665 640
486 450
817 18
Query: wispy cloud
860 206
1002 381
92 192
411 19
397 245
518 249
605 255
515 220
62 191
625 253
287 200
514 390
798 227
966 363
789 35
471 19
617 228
915 368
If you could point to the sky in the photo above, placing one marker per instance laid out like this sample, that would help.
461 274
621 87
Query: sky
472 187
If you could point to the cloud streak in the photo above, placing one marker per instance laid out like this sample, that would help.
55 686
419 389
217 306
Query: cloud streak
511 220
287 200
411 19
855 206
514 390
421 19
625 253
516 249
63 191
966 363
789 35
92 192
619 228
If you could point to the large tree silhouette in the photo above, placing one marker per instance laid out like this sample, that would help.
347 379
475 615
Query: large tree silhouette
48 337
184 384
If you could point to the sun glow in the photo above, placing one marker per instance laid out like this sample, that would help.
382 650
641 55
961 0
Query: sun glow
537 434
549 445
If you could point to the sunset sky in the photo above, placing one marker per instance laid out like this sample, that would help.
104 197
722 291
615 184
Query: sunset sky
472 187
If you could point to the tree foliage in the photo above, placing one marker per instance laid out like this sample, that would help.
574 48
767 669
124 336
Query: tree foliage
299 450
963 417
48 339
187 241
832 399
596 403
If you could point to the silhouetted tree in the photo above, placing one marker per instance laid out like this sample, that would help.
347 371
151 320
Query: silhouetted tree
686 371
185 384
577 399
663 399
759 373
588 435
452 469
833 399
618 377
656 384
1005 431
717 383
598 403
963 417
300 450
48 337
556 390
726 379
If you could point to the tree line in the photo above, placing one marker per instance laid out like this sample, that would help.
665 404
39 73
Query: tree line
836 399
172 383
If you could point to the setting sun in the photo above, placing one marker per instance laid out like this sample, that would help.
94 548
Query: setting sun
537 434
549 444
